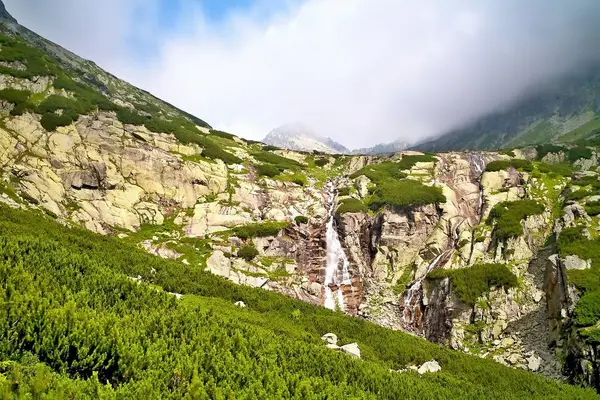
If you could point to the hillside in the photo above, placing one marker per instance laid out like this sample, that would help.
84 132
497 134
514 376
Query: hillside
565 111
146 255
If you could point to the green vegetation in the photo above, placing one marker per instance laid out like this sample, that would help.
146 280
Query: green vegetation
507 216
571 241
386 170
260 229
301 219
268 170
592 208
378 173
248 253
581 132
345 191
351 205
392 189
578 152
577 195
37 63
222 134
321 162
544 149
503 165
20 99
471 283
404 193
274 160
555 169
72 325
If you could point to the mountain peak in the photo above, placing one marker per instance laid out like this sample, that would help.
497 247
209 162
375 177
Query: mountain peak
298 136
5 15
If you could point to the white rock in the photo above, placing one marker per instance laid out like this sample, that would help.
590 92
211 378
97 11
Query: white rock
240 304
352 349
574 262
330 338
429 366
534 363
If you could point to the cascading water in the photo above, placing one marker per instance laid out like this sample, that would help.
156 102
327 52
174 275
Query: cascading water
336 272
479 165
414 292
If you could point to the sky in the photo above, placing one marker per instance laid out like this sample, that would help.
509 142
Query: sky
359 71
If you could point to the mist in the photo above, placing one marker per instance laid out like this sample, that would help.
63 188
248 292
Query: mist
359 71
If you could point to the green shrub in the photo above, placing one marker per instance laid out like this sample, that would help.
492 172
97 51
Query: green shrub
587 311
282 163
248 253
260 229
51 121
503 165
586 181
222 134
321 162
404 193
126 116
544 149
578 152
577 195
351 206
268 170
268 147
345 191
556 169
592 208
299 179
214 151
301 219
507 216
472 282
20 99
378 173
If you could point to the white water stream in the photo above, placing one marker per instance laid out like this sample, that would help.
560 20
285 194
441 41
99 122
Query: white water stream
415 290
336 272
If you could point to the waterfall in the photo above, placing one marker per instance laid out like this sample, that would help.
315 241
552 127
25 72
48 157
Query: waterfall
336 272
415 291
479 164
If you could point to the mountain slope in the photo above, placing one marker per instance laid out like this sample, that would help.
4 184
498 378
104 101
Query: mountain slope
566 110
301 138
188 221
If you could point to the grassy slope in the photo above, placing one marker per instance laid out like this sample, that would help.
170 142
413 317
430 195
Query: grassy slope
66 301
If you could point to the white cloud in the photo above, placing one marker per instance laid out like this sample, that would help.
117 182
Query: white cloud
360 71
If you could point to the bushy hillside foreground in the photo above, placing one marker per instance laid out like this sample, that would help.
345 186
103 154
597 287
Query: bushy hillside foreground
74 325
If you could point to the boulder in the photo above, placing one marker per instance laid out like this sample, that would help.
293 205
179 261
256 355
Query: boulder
330 338
218 264
429 366
352 349
573 262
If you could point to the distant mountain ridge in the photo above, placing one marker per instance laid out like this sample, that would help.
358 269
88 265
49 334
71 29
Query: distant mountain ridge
302 138
566 111
383 148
